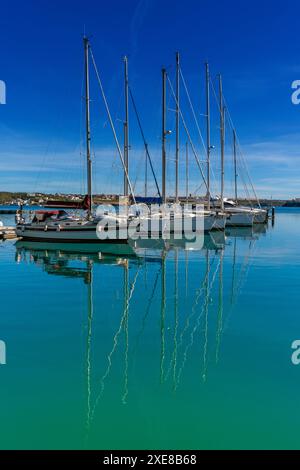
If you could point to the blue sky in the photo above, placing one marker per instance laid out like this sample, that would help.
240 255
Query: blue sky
255 45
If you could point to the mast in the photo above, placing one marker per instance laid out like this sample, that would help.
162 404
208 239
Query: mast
177 127
187 171
88 127
112 127
164 136
146 170
126 129
208 146
221 139
235 166
148 158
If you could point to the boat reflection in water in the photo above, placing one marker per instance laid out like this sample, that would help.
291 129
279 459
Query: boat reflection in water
174 307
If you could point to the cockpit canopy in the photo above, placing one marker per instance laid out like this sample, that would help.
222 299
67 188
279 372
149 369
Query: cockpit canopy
42 216
229 203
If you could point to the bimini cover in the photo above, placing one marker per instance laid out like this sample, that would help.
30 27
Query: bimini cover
148 200
43 215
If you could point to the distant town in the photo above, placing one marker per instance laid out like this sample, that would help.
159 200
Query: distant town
33 199
16 198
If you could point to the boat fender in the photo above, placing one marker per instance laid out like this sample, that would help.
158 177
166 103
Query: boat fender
45 228
58 228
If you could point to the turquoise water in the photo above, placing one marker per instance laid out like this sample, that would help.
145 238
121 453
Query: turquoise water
173 350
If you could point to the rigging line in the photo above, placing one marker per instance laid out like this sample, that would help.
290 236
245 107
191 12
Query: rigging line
138 169
243 160
243 165
206 309
242 276
192 108
246 168
215 94
189 137
232 127
144 140
89 339
112 125
220 309
245 267
126 289
175 340
164 256
198 319
115 342
248 196
244 183
149 305
242 177
198 294
212 170
219 110
81 134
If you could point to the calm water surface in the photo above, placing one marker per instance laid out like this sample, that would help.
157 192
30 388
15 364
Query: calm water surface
172 349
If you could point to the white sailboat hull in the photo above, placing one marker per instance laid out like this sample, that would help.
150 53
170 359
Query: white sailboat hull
220 222
260 216
63 235
240 219
211 221
116 228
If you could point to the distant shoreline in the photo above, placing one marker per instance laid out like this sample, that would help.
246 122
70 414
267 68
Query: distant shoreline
38 199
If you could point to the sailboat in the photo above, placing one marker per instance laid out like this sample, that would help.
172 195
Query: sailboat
58 225
237 216
260 216
213 218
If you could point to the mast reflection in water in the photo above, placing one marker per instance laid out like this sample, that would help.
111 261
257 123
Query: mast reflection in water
153 322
